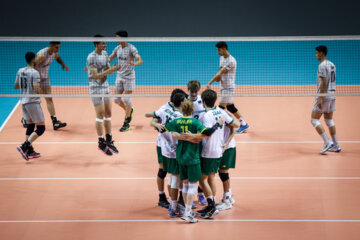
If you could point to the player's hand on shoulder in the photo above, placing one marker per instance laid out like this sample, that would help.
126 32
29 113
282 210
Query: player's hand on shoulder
221 121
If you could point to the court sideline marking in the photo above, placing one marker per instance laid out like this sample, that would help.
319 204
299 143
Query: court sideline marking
167 220
9 116
240 142
153 178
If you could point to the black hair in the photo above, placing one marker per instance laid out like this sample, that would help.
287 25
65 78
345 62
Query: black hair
322 49
222 45
122 33
209 97
29 56
178 90
97 36
177 99
54 43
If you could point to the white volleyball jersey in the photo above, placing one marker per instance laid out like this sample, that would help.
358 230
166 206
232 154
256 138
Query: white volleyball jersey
125 56
212 146
199 108
98 61
167 142
26 77
327 70
228 79
43 67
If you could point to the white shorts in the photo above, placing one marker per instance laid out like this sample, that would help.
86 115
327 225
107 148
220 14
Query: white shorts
33 112
99 90
327 106
124 84
227 99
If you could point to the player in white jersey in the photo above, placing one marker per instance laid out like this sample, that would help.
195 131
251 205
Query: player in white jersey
326 83
160 128
98 67
212 148
28 81
228 161
126 54
194 87
42 63
226 76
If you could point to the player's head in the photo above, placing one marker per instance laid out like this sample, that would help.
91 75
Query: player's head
54 46
209 98
177 99
193 88
321 52
222 48
121 34
178 90
187 108
30 58
99 45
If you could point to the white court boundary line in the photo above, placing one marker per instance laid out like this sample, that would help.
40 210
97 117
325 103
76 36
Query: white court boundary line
153 178
240 142
167 220
9 116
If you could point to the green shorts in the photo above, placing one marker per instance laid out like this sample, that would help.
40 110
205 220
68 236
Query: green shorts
171 165
209 165
192 173
160 157
228 159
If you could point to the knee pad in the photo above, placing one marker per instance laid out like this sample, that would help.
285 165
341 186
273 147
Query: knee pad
192 188
231 108
224 176
40 130
222 107
329 122
315 122
175 182
30 128
127 101
185 188
162 173
118 100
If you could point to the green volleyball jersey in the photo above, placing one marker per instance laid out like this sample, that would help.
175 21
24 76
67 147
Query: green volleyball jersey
187 153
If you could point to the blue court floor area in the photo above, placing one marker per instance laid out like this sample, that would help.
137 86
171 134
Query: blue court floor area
6 106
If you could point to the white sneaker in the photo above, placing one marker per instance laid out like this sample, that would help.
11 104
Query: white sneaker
220 202
189 219
226 204
326 147
335 148
232 200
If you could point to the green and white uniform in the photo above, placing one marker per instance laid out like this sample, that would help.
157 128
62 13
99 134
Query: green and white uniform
167 142
158 140
212 147
187 153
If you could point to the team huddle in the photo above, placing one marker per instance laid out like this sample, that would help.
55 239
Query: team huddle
196 137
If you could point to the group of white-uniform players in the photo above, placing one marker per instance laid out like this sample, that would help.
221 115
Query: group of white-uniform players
34 79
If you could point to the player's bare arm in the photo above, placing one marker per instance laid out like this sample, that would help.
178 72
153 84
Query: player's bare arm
61 62
160 127
217 76
228 140
37 88
138 62
110 70
322 90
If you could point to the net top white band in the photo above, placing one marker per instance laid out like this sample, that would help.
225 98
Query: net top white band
182 39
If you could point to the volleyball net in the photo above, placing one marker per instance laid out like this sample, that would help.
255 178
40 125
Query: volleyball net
277 66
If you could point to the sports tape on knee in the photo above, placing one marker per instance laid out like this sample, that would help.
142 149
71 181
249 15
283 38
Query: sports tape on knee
99 120
315 122
170 180
175 182
329 122
185 188
107 119
192 188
